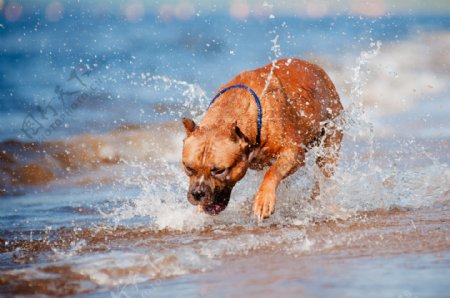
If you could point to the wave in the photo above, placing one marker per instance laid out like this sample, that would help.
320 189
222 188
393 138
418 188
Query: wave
86 260
25 164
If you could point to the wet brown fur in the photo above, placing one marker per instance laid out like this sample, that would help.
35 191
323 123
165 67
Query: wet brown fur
298 99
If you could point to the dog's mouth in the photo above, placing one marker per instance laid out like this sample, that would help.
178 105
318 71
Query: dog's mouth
221 199
214 208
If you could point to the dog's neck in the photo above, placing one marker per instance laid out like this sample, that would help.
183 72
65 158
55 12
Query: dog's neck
241 87
217 120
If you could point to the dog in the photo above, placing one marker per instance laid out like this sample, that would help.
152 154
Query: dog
267 117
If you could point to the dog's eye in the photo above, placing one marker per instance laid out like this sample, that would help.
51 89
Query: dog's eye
218 172
189 171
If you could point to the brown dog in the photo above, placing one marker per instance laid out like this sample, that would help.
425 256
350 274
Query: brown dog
298 105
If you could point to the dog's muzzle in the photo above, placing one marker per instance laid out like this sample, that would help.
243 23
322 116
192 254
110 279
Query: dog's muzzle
211 202
199 194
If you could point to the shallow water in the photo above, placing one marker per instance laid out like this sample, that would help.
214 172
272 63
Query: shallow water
96 205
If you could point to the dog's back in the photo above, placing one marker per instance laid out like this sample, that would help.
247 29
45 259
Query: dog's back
296 97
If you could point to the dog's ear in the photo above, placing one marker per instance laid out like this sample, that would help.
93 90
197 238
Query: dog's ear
238 132
189 125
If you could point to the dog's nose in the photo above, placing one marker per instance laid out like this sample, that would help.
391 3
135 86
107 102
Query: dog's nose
198 194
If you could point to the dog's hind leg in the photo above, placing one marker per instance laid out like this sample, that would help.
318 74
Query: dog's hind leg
328 154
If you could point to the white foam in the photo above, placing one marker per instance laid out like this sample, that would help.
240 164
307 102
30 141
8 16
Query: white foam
393 78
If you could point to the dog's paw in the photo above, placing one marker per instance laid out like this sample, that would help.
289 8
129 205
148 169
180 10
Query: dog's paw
264 205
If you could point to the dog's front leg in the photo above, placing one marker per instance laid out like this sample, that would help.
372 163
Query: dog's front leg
287 163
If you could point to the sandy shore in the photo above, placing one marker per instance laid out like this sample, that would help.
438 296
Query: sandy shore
395 253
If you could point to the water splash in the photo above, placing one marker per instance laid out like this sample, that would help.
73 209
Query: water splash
192 99
359 184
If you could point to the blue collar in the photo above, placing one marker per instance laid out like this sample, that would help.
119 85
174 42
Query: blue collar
258 103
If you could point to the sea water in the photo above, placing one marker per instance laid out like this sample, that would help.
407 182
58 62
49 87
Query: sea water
93 198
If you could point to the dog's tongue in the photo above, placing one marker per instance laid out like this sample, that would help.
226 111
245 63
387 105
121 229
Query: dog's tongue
214 208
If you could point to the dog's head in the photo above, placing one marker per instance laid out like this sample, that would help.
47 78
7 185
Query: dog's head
215 160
